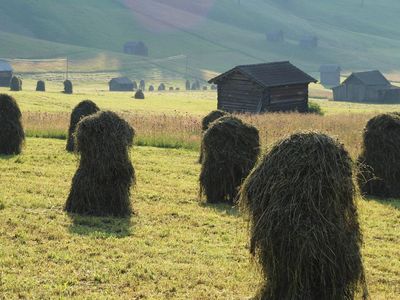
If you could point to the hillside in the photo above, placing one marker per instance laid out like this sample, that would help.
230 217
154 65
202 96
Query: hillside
214 34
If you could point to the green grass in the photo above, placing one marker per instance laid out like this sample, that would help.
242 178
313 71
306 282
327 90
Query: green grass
197 103
174 247
230 34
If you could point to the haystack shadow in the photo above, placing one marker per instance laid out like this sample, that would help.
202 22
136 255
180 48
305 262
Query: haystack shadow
395 203
101 226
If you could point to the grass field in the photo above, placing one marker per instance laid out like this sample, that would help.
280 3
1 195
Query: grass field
174 247
225 34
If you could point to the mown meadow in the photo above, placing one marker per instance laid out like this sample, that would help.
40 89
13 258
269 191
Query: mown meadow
174 246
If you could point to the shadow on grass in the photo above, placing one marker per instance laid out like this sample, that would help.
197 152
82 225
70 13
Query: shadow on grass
101 227
8 156
395 203
227 209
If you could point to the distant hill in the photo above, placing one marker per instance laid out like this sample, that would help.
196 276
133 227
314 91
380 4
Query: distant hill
213 34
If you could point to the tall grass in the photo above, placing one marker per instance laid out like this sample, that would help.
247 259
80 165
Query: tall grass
184 131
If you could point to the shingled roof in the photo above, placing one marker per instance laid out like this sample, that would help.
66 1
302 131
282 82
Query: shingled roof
370 78
270 74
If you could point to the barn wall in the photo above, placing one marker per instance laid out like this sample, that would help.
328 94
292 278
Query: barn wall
5 78
340 93
330 78
390 96
288 98
116 87
239 94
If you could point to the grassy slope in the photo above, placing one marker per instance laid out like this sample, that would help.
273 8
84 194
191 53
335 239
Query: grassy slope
173 248
232 34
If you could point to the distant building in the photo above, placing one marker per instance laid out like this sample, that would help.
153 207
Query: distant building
308 41
121 84
278 86
6 73
330 75
136 48
275 36
370 86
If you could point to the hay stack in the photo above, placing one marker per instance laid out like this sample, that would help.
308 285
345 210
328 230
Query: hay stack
205 123
142 85
68 88
304 229
11 132
16 84
139 95
171 88
380 157
230 149
40 86
83 109
101 185
151 88
211 117
161 87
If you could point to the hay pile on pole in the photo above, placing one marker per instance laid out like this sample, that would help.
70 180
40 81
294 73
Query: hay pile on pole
151 88
230 149
142 85
83 109
11 132
304 229
161 87
139 95
205 123
101 185
68 88
40 86
380 158
16 84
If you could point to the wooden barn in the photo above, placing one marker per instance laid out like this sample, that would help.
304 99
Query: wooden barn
136 48
370 86
308 41
275 36
6 73
277 86
330 75
121 84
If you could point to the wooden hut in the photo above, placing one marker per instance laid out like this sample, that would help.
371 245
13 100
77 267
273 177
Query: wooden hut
370 86
308 41
121 84
136 48
330 75
275 36
278 86
6 73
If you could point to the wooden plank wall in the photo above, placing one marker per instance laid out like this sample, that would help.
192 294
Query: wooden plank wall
239 94
288 98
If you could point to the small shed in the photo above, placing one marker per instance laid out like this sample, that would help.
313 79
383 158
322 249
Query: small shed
330 74
370 86
6 73
121 84
268 87
136 48
308 41
275 36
